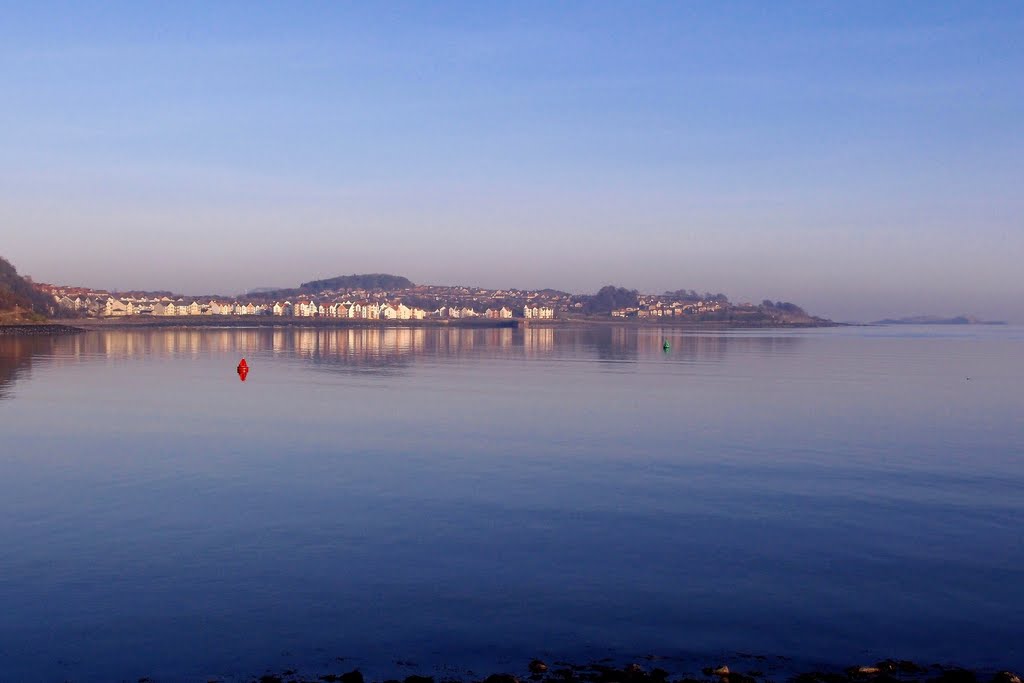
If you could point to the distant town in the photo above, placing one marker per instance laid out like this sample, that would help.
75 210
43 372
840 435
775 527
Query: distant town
383 298
394 298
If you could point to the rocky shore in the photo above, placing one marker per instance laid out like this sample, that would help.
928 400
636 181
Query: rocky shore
753 669
37 330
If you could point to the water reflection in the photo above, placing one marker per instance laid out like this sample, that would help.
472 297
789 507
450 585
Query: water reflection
491 490
389 350
626 344
16 354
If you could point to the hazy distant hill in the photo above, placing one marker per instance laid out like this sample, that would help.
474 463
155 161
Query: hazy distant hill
373 281
369 281
18 297
936 320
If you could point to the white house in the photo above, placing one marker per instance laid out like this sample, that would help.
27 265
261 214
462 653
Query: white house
540 312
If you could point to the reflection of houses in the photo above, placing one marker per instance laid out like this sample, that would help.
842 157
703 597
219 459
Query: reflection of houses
538 340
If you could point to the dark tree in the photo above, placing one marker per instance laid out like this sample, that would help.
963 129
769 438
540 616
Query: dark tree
609 298
372 282
783 307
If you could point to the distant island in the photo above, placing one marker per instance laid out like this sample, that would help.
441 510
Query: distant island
382 297
937 320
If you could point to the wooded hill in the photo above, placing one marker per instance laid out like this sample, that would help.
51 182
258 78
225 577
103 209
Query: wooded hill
19 299
371 282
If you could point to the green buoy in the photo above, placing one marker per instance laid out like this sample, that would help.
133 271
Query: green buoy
666 346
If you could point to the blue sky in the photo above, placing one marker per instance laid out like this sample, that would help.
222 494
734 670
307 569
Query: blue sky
863 159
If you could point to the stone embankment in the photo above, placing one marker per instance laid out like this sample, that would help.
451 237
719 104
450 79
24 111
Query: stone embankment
37 330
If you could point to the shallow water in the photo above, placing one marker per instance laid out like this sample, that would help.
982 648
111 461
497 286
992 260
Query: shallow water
476 496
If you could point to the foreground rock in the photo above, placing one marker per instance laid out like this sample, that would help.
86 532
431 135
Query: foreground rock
887 671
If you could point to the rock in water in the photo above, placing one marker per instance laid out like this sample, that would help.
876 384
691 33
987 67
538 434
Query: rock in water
721 671
501 678
1006 677
538 667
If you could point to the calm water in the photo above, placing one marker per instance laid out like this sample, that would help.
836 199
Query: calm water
487 496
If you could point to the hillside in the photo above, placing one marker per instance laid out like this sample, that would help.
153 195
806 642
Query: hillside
371 282
19 299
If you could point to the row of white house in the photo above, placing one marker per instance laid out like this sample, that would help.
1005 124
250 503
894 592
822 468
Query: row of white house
660 310
366 310
372 310
399 311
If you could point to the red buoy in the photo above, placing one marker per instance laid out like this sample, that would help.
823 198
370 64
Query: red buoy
243 370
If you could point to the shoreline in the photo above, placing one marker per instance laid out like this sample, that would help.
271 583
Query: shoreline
38 329
739 668
92 324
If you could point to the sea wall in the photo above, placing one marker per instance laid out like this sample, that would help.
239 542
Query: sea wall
37 330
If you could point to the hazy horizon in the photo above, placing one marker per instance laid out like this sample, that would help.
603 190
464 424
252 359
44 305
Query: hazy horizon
863 161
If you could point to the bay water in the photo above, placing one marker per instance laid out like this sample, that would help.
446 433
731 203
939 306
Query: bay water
413 499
